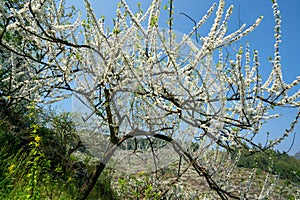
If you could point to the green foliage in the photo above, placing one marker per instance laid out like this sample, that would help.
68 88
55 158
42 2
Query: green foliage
35 160
287 167
137 187
154 21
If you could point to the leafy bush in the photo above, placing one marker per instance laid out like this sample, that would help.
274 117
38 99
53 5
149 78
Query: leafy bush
35 161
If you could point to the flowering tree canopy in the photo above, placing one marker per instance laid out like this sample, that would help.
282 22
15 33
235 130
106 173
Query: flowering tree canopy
142 80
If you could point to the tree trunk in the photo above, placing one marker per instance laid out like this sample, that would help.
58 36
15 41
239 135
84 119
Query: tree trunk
90 183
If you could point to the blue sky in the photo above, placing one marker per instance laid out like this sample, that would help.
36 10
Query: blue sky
245 11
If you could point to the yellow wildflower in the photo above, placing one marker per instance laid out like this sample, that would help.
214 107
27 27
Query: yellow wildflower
35 127
11 168
37 138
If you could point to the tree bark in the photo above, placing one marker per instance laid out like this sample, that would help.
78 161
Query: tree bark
90 183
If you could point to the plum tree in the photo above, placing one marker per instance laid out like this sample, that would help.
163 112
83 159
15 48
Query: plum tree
141 80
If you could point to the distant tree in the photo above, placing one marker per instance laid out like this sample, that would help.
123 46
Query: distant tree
146 81
287 167
297 155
